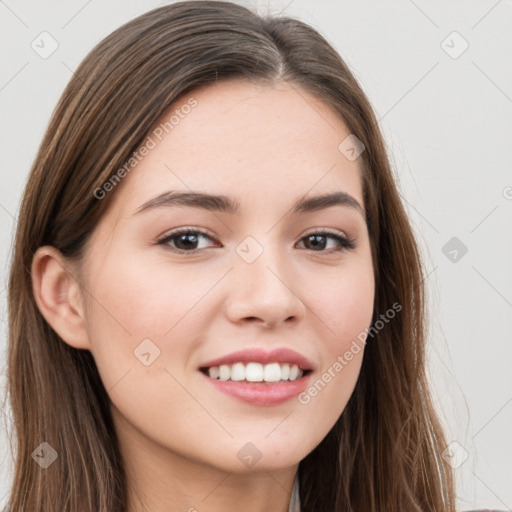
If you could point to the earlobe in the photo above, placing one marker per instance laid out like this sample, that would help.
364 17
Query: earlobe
58 296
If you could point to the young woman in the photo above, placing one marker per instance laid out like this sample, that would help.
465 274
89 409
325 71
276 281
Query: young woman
216 298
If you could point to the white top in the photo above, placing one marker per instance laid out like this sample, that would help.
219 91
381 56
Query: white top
295 500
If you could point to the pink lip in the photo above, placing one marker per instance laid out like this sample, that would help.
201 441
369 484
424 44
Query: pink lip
260 393
258 355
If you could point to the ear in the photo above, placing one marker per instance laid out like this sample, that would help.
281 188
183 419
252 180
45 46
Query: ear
58 296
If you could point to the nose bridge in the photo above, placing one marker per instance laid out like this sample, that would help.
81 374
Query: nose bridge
262 286
254 261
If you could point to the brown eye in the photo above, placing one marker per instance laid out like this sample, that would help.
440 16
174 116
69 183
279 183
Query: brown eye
187 240
317 242
184 240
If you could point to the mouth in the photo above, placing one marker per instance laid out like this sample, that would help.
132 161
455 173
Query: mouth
254 372
258 384
259 377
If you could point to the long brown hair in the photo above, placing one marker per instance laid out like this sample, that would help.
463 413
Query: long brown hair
383 452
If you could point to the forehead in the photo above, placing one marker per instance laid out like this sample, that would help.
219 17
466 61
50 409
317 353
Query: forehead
251 141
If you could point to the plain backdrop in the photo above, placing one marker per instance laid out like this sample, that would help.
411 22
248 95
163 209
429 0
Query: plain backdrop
439 77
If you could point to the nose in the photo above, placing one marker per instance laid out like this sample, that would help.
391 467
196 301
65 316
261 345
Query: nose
263 292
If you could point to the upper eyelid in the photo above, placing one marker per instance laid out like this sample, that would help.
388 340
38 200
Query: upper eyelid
350 240
202 231
184 230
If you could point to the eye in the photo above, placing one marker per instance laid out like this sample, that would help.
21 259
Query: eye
318 241
184 240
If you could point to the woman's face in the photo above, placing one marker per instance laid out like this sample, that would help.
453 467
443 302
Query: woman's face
266 277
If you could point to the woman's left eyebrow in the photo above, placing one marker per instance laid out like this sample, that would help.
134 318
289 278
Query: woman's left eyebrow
221 203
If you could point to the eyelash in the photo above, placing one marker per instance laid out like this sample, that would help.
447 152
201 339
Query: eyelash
345 242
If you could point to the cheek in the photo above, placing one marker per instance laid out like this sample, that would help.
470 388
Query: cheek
144 299
130 303
343 303
345 307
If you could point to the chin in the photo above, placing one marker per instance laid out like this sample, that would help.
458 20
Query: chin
257 454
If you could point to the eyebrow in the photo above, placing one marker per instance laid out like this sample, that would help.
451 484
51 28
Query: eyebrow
221 203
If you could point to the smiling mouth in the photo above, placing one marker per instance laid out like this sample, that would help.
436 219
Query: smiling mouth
254 373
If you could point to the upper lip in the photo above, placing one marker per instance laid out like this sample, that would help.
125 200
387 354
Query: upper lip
259 355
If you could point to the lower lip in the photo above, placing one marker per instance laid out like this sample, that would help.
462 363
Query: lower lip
260 393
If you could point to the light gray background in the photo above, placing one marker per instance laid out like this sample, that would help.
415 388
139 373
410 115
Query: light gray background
448 125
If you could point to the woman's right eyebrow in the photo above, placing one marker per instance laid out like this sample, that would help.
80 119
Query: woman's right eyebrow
221 203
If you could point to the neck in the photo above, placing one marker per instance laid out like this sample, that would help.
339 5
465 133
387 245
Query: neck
161 480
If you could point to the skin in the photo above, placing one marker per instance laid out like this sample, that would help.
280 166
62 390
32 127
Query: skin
265 147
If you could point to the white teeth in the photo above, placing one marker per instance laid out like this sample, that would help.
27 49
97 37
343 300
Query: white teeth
256 372
213 372
224 372
285 371
238 372
272 372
